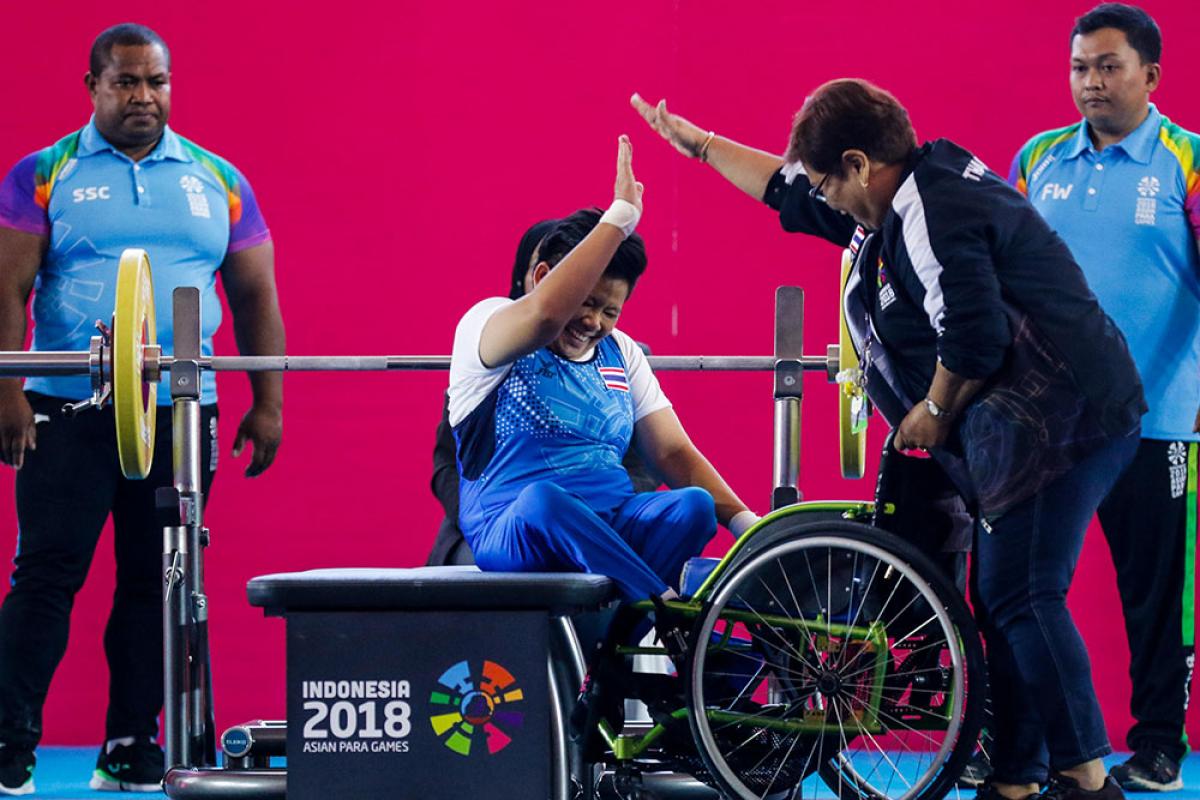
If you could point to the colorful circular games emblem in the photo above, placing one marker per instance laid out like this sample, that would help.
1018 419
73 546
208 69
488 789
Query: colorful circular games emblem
473 710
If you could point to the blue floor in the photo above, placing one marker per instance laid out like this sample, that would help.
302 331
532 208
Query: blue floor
63 773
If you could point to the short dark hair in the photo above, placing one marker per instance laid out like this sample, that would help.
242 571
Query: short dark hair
525 251
628 263
126 34
1140 29
850 114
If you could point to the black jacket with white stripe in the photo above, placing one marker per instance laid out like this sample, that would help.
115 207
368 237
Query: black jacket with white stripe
961 270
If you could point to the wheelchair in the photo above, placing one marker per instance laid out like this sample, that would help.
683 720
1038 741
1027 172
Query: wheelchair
824 655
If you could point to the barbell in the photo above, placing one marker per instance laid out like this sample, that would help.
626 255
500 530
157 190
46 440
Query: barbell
125 364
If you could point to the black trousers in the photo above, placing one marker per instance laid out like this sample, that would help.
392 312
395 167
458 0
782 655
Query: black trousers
1149 519
64 493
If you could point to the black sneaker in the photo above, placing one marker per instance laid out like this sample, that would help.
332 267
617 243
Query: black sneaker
1148 770
987 791
16 771
1063 788
136 767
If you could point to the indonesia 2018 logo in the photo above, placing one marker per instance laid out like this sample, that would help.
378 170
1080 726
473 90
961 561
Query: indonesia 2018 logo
474 710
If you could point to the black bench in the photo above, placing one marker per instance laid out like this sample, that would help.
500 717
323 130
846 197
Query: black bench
430 682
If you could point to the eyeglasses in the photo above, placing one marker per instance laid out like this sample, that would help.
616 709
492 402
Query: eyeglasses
815 192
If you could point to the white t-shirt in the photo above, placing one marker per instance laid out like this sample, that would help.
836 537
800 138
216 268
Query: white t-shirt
471 382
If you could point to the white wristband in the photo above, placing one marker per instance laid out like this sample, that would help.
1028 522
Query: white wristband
741 521
623 214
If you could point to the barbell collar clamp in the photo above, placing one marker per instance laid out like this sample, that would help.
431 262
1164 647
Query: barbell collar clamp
152 363
99 353
96 401
833 360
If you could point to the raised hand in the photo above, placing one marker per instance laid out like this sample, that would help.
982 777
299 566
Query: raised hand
683 135
627 187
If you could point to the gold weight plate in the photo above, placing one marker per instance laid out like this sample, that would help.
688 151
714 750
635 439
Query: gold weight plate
135 403
852 420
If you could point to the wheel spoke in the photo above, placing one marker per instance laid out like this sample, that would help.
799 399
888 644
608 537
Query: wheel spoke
866 592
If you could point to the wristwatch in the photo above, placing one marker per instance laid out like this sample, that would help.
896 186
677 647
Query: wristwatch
936 411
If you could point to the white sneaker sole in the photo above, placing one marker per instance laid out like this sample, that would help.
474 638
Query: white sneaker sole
102 782
24 788
1132 784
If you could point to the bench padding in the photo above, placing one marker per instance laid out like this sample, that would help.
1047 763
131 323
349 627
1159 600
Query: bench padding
429 589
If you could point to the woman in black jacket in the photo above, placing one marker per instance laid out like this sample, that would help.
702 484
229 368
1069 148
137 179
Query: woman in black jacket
982 344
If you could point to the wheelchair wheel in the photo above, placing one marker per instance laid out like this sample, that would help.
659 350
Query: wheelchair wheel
840 651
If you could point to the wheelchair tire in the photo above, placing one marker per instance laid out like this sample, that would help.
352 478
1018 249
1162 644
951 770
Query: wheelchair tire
837 650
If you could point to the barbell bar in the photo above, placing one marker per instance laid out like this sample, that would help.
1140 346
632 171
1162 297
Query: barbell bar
126 363
66 363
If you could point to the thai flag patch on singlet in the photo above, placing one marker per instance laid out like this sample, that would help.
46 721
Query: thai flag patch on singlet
615 378
860 235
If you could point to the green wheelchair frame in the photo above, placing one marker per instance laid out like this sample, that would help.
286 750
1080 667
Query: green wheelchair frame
849 684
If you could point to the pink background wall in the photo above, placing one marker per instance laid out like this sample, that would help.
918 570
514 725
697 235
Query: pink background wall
399 149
